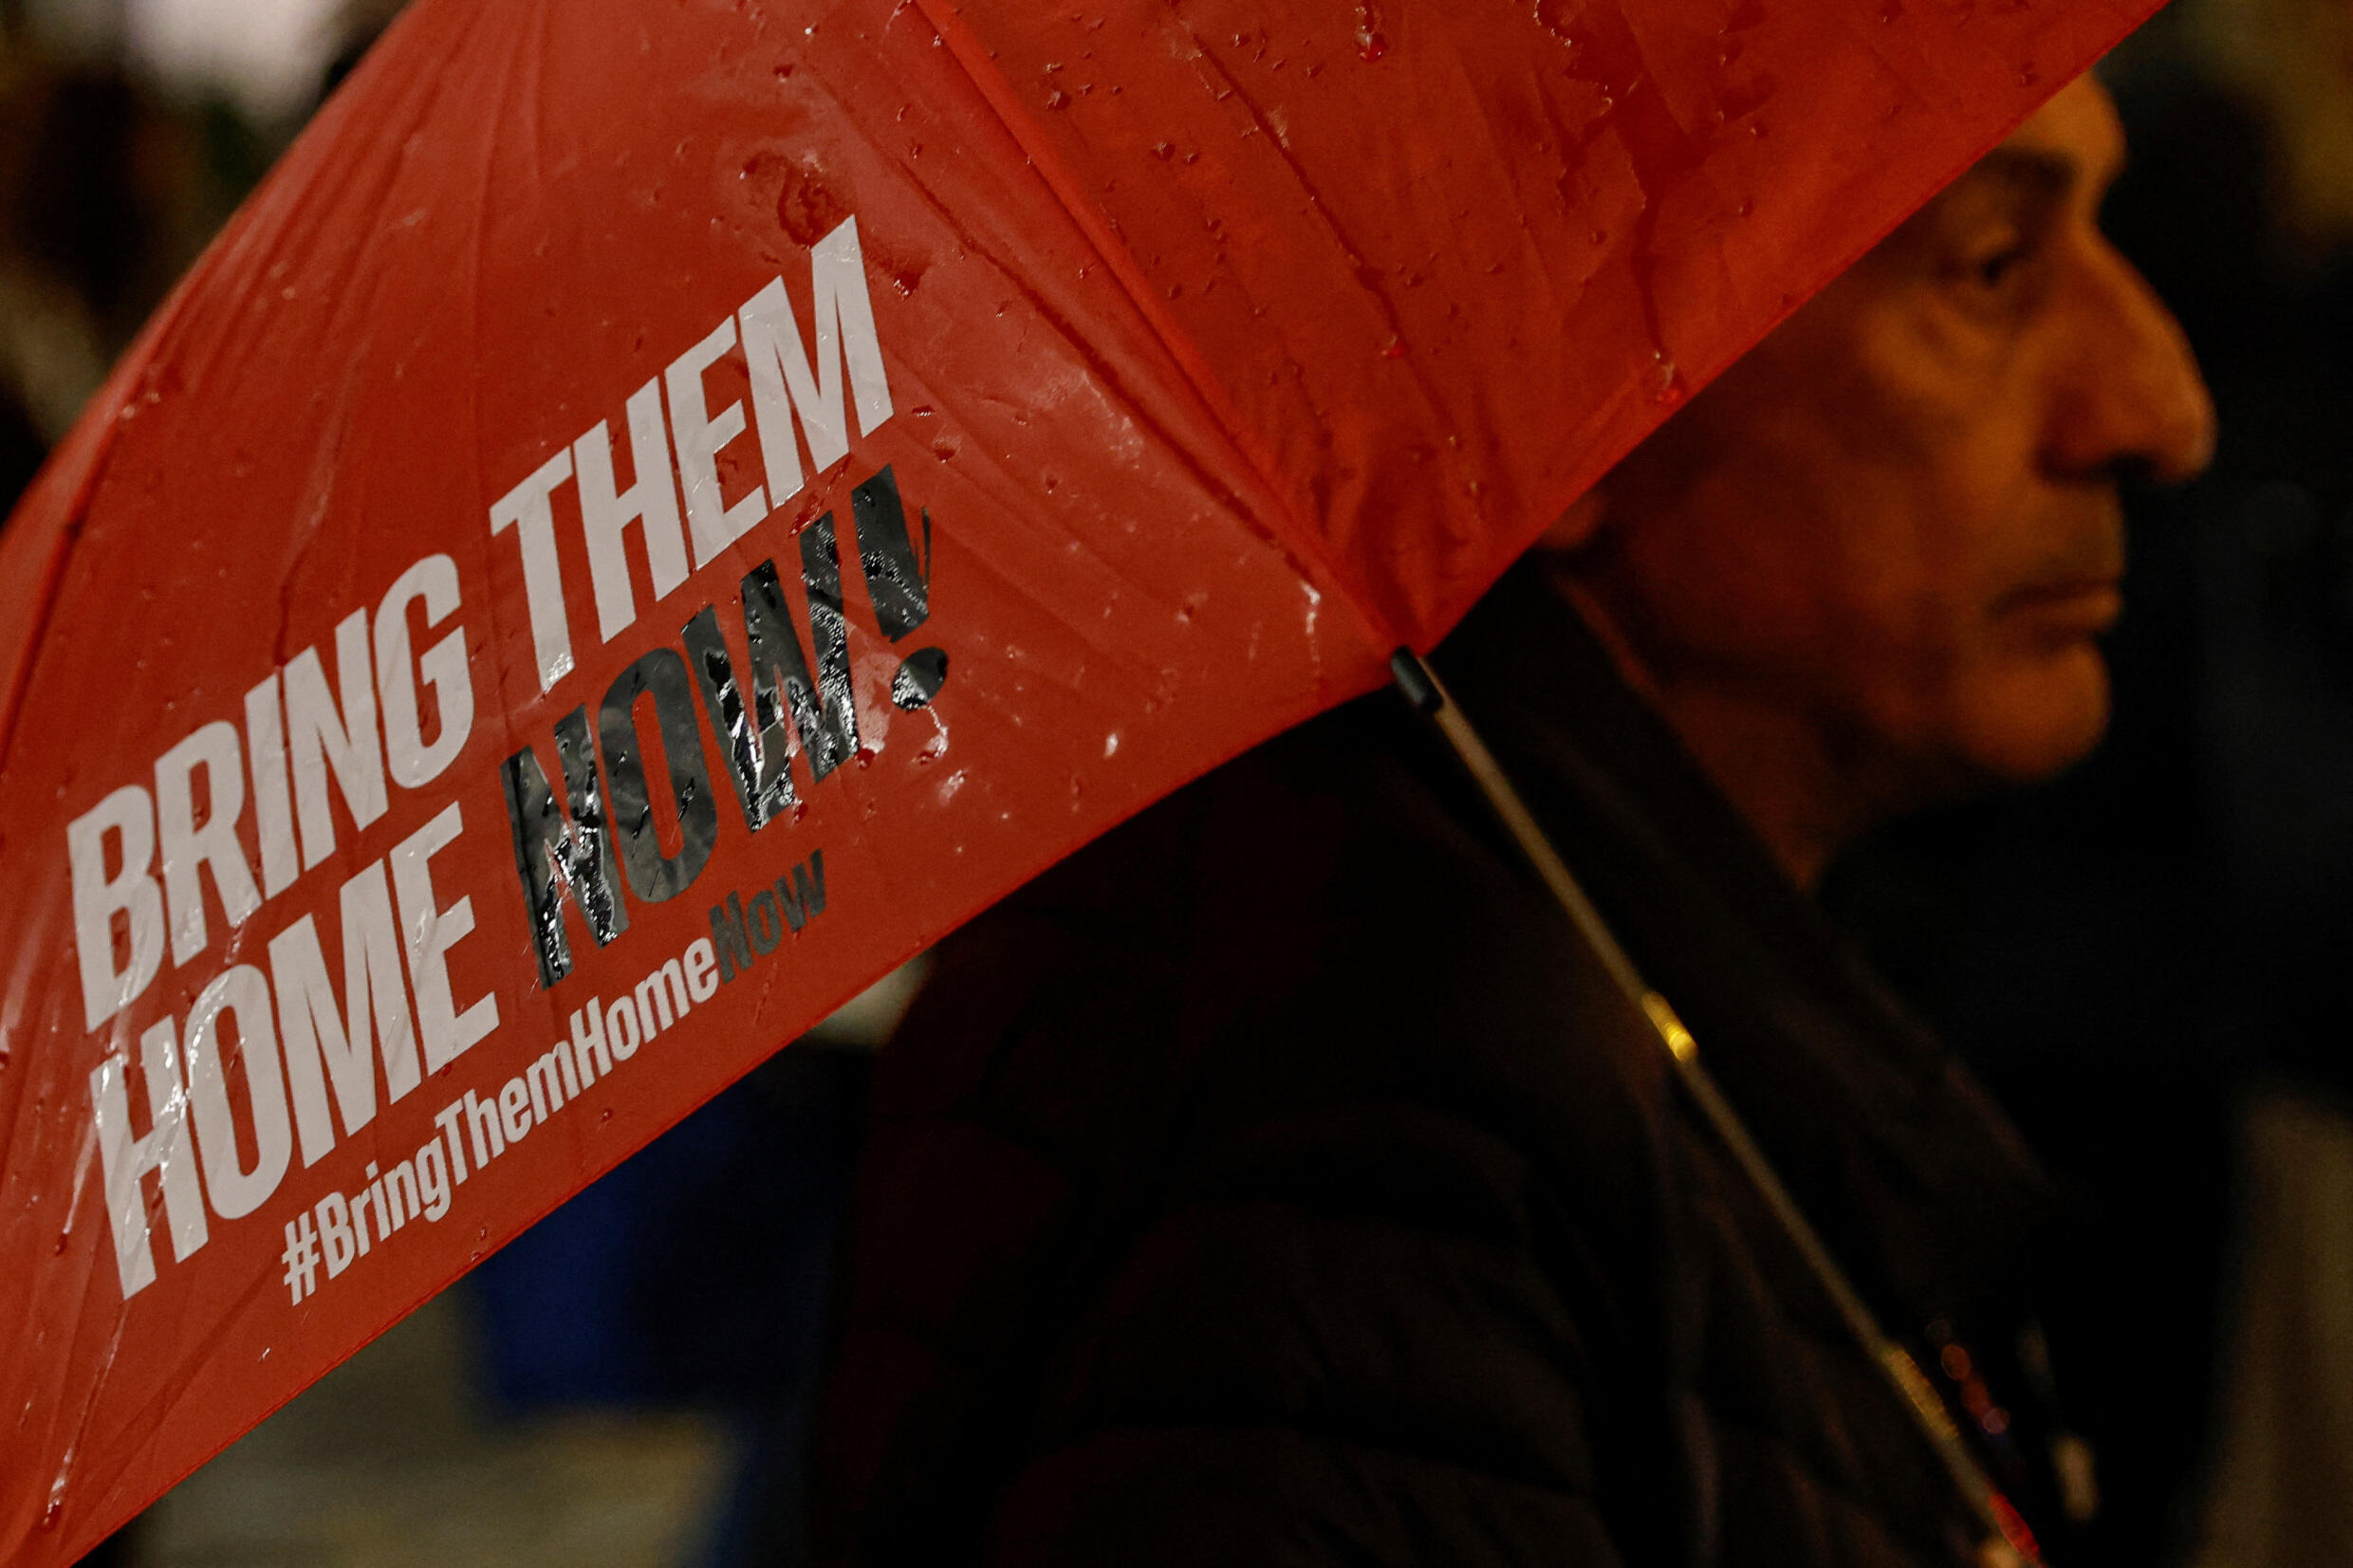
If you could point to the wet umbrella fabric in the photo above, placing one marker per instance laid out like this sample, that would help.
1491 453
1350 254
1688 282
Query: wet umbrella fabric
654 513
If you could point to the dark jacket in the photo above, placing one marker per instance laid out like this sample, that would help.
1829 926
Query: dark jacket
1278 1182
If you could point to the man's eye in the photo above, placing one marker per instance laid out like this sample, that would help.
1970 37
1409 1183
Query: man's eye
1997 273
1993 271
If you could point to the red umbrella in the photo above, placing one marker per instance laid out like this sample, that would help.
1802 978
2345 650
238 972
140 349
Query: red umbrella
657 511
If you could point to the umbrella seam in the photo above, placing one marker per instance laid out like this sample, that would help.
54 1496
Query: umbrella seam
114 398
1061 184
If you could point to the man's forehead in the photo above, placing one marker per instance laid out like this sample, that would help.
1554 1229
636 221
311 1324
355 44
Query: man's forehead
2074 138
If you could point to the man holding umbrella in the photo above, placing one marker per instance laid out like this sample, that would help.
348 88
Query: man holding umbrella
1282 1180
1024 411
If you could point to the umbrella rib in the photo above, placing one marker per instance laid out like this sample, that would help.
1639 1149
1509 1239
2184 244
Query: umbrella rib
1132 404
996 91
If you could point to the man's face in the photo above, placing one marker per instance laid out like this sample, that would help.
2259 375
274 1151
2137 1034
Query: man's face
1897 516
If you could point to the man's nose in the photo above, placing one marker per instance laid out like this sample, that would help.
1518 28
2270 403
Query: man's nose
2130 393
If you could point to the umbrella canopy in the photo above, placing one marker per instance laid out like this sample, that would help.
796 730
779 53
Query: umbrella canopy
658 510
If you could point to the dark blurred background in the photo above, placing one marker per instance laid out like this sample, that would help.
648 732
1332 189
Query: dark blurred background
2147 961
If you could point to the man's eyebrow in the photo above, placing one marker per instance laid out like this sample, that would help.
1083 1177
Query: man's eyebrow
2037 173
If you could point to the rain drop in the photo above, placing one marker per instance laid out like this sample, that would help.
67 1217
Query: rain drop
1667 389
1057 99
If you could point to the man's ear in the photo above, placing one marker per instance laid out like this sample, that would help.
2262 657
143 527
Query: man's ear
1577 528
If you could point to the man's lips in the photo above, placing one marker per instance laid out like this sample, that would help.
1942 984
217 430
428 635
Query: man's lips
2083 607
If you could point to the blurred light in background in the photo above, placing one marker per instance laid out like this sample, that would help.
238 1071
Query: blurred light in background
267 57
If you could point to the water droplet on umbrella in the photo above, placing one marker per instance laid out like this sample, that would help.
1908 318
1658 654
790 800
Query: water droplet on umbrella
1667 388
806 208
1057 99
1553 16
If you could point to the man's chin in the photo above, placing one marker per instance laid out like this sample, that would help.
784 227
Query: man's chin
2041 716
